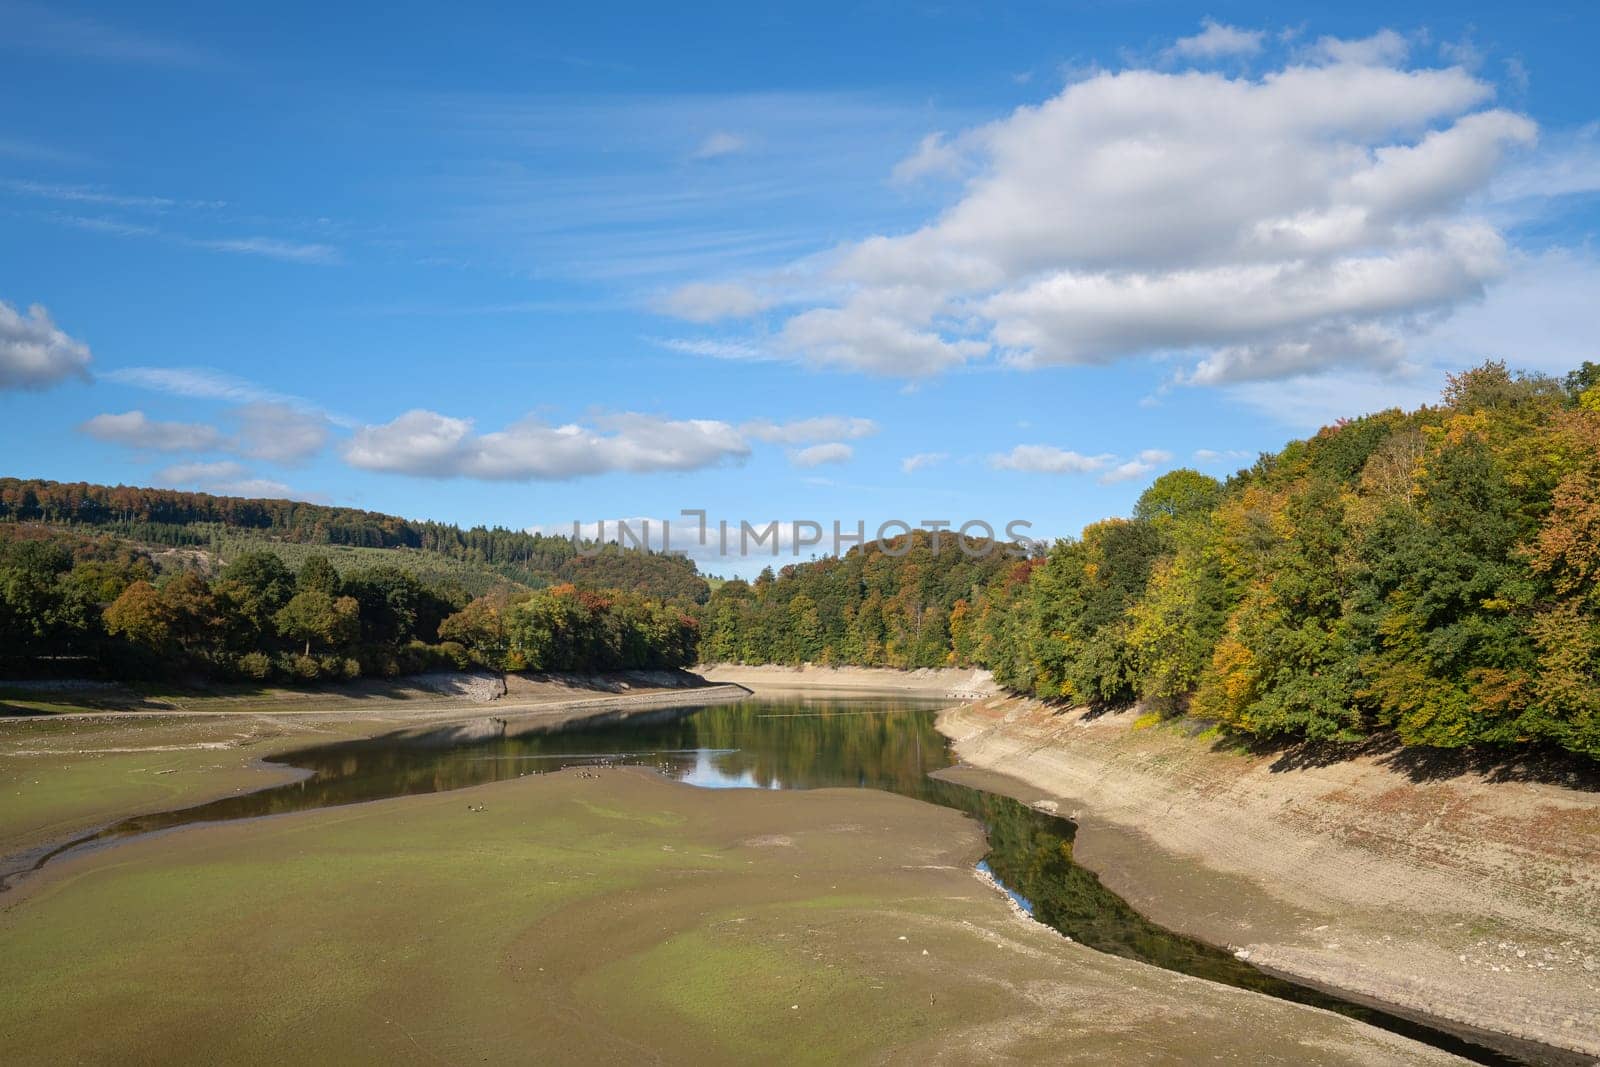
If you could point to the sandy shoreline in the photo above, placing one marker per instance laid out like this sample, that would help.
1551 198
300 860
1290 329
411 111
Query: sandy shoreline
1467 899
948 682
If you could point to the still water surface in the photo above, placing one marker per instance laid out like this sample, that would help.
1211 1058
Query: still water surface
800 743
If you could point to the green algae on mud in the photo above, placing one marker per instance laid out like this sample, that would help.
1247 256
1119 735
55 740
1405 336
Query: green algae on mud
593 915
59 777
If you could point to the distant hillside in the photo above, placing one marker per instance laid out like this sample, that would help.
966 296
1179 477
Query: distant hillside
223 528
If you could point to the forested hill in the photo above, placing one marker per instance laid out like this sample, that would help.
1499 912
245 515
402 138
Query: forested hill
231 525
1435 573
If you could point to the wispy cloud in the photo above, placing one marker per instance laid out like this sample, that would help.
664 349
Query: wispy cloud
30 28
275 248
108 226
721 143
922 461
32 152
271 248
691 346
625 201
205 383
87 194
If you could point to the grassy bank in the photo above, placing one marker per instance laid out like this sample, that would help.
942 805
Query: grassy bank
593 916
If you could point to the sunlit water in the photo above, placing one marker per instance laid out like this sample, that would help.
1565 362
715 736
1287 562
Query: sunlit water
802 743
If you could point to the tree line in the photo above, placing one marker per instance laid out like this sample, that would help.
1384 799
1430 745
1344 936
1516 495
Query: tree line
1434 573
75 606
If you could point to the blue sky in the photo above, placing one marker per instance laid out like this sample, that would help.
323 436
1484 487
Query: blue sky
493 264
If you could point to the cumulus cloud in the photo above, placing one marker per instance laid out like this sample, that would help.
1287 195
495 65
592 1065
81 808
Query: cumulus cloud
817 455
1384 48
1316 216
805 431
134 430
1216 40
280 433
35 353
865 335
922 461
429 444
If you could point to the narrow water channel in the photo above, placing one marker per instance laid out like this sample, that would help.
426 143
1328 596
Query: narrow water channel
801 743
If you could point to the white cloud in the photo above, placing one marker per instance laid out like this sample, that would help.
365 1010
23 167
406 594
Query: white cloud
1384 48
1541 317
1568 164
428 444
208 473
720 143
936 156
1147 461
806 431
1319 215
1127 471
712 301
1217 39
1047 459
280 433
225 477
134 430
84 194
35 353
922 461
817 455
861 336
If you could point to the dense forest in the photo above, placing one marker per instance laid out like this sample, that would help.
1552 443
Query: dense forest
74 605
1433 573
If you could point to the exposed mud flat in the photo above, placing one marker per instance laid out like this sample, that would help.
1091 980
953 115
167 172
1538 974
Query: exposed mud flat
1467 895
603 915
